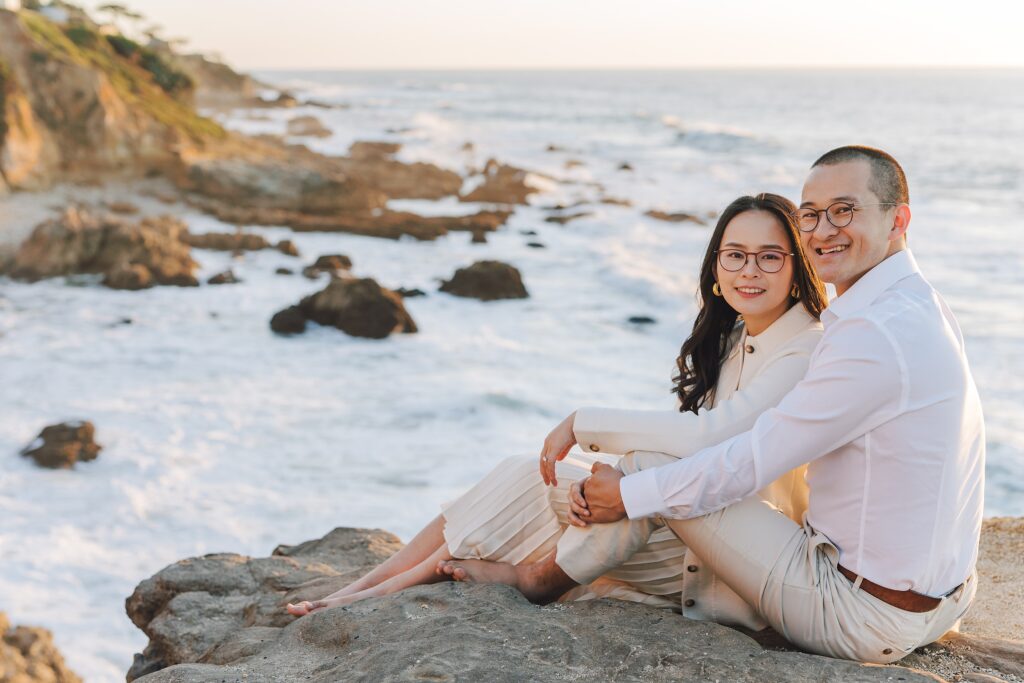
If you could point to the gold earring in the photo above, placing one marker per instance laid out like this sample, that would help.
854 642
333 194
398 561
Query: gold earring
794 291
716 289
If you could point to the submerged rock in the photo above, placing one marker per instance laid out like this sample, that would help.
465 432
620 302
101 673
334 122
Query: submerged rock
678 217
28 655
502 184
62 445
308 126
327 263
221 617
359 307
409 293
287 247
487 281
80 241
228 277
565 218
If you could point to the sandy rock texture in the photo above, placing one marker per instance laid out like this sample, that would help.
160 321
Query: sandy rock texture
220 618
28 655
130 255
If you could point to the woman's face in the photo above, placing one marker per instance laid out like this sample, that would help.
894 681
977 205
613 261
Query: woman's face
758 296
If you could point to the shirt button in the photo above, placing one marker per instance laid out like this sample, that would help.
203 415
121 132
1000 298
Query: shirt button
887 651
692 568
749 348
690 603
594 447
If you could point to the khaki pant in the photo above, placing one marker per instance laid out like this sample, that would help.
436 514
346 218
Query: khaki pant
785 571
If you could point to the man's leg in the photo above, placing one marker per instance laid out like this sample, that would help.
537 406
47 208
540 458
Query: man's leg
586 553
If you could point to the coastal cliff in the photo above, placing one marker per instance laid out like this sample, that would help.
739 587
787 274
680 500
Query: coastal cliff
221 617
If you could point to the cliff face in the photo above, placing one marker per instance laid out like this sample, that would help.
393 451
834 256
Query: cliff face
77 103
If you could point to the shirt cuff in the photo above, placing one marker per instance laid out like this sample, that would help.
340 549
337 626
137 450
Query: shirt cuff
641 496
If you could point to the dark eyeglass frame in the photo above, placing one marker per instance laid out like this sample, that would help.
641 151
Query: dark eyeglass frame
755 254
828 214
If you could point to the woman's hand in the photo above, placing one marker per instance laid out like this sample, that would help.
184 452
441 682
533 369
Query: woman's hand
556 446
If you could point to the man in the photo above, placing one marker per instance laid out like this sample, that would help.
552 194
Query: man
888 418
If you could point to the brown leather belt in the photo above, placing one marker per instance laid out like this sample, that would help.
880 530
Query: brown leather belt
908 601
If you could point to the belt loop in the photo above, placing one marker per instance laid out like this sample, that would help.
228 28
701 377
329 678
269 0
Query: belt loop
856 584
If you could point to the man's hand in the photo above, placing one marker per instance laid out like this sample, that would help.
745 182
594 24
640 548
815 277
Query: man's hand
596 499
556 446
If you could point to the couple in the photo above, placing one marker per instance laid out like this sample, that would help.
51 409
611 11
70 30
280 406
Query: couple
822 475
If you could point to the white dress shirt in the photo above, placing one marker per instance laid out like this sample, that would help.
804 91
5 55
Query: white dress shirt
889 419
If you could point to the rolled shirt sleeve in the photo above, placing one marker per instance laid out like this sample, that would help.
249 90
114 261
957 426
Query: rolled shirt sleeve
856 381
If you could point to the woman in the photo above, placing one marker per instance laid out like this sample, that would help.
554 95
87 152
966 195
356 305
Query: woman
753 267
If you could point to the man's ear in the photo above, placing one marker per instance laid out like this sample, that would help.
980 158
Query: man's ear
900 222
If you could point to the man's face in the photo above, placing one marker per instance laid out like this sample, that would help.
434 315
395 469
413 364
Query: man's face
842 255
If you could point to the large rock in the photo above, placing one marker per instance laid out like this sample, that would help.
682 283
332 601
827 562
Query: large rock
501 184
60 446
227 241
221 617
487 281
28 655
327 263
359 307
81 241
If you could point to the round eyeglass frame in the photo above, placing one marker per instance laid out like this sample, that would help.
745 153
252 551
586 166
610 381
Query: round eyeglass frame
797 216
757 262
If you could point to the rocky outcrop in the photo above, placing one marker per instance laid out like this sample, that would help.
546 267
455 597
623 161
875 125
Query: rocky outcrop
237 241
79 104
562 219
81 241
357 306
501 184
487 281
216 83
381 223
373 163
308 126
221 617
62 445
28 655
677 217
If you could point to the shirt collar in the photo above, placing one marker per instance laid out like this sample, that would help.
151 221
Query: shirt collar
870 286
787 326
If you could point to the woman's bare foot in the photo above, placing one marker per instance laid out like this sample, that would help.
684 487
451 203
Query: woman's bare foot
309 606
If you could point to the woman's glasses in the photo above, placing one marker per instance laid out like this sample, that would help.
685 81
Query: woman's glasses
769 260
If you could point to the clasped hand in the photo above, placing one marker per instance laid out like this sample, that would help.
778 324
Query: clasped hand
595 499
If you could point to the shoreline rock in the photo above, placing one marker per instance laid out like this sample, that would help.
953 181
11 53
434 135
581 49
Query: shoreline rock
222 617
61 446
358 307
27 654
487 281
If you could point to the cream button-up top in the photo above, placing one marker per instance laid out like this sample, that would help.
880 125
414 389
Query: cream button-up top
757 372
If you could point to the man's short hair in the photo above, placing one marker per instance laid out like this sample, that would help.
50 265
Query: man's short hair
888 181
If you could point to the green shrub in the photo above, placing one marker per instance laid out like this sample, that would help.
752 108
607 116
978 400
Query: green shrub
126 47
81 36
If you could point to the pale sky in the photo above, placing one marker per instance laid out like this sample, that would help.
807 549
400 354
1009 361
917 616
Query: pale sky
384 34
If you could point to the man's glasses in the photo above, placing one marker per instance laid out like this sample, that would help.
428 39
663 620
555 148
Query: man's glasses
769 260
839 214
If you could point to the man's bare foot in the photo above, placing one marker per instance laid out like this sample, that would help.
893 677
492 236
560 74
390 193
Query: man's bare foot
479 571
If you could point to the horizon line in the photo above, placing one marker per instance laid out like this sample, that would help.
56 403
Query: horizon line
752 67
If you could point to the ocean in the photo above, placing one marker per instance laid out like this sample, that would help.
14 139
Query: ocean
220 436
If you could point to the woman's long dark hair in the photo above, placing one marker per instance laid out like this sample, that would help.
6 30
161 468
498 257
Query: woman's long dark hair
702 354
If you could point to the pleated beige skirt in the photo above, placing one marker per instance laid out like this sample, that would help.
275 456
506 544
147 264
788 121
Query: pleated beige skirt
511 516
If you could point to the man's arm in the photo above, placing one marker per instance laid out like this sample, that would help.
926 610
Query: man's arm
610 430
855 383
